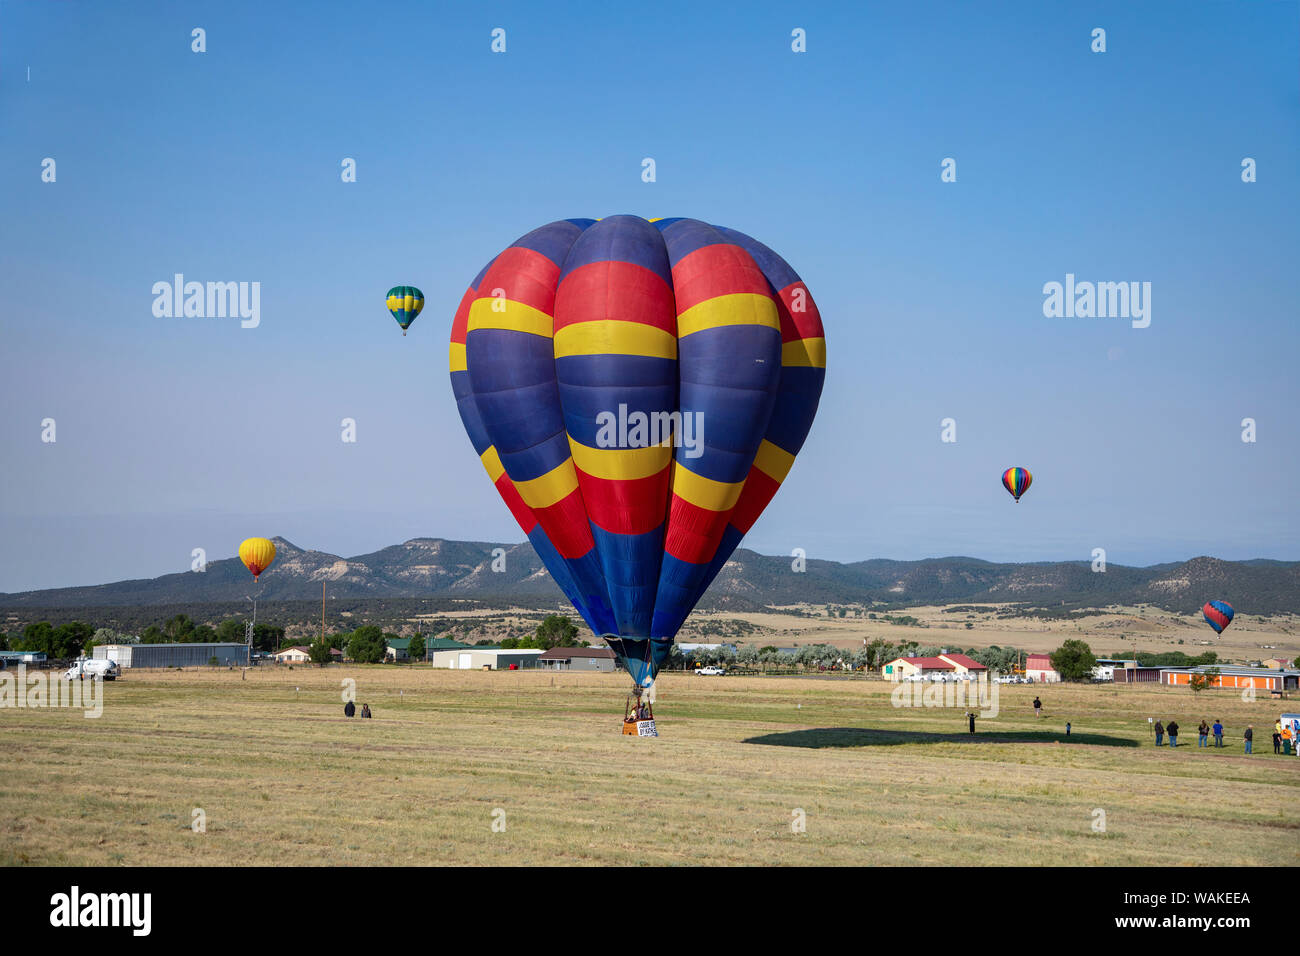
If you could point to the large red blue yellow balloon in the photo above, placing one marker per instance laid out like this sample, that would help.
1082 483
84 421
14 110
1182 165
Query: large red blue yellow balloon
637 391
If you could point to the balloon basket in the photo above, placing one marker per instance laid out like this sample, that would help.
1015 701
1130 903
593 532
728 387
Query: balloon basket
639 718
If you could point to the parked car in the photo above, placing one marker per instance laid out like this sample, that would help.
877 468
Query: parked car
710 671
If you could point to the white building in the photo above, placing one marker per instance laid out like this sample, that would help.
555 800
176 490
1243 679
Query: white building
486 658
293 655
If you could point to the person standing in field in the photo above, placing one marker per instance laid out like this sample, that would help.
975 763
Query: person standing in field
1038 707
365 710
1172 728
1203 734
1160 734
1218 732
1277 742
349 709
1248 736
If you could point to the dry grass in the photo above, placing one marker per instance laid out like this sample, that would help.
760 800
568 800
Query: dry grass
284 779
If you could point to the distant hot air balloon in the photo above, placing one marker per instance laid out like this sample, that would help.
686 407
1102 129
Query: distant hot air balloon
1017 481
405 302
637 391
1219 614
257 554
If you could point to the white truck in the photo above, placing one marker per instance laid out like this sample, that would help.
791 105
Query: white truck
107 670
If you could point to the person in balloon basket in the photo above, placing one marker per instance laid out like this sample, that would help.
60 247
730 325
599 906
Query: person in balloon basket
1218 733
1172 729
1160 734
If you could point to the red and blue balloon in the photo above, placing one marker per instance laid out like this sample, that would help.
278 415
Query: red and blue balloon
637 390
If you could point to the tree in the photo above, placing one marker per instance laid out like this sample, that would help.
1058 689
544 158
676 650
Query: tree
178 629
69 639
367 645
38 637
1207 678
267 637
556 631
1073 660
319 652
416 648
152 635
230 631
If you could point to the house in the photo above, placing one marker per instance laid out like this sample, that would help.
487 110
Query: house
397 649
957 666
1038 668
1276 663
299 654
577 659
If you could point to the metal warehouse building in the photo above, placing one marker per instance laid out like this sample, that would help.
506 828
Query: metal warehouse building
491 658
171 655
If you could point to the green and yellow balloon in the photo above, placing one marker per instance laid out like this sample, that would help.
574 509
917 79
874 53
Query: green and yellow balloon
405 302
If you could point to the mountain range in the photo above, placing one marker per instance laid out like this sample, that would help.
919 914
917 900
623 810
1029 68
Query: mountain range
437 568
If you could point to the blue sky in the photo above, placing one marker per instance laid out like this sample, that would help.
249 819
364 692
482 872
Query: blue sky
178 433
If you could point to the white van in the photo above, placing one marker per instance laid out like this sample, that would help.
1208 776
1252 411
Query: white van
108 670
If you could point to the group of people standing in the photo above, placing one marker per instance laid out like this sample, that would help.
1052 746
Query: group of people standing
350 710
1281 734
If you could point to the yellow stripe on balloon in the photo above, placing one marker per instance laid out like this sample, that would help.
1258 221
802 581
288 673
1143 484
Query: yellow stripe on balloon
492 462
738 308
456 357
806 353
620 464
512 317
547 489
614 337
773 461
705 492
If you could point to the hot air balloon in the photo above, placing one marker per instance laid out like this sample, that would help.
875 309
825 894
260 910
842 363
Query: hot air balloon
1219 614
637 390
405 302
257 554
1017 481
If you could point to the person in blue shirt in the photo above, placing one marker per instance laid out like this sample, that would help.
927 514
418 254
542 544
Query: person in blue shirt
1218 733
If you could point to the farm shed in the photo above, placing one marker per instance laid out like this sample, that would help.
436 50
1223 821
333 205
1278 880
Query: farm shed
1258 678
577 659
903 668
1039 669
1137 675
493 658
171 655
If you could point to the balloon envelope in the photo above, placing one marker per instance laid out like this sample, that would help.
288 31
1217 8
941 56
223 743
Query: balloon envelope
257 554
637 391
1017 481
1219 614
405 302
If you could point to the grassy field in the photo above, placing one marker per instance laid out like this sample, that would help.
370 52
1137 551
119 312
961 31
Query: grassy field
283 778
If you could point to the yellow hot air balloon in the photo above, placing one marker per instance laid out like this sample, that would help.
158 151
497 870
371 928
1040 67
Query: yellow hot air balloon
257 555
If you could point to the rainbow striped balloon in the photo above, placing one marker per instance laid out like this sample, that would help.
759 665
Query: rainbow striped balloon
1017 481
637 391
